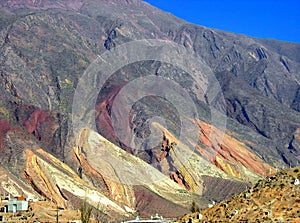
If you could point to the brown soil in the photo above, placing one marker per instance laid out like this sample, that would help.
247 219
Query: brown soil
275 199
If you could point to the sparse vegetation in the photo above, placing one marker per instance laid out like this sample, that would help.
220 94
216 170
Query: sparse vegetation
194 207
85 211
269 200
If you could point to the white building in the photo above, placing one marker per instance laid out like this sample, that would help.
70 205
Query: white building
17 205
155 219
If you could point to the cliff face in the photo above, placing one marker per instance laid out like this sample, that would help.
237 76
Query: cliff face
58 183
47 47
123 177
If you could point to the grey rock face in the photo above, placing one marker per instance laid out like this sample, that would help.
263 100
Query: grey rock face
47 45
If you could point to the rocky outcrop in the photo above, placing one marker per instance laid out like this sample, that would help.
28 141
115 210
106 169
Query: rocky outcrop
123 176
230 155
4 128
294 145
193 169
57 182
15 185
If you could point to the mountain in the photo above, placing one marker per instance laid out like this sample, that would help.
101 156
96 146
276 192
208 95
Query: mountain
185 107
271 199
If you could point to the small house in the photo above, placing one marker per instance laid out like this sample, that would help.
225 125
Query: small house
17 205
32 199
155 219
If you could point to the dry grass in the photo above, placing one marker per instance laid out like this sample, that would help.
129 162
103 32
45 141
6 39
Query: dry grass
273 199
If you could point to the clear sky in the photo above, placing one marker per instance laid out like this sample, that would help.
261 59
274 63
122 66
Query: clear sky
275 19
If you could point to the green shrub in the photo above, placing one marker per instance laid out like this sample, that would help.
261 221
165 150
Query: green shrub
85 211
194 207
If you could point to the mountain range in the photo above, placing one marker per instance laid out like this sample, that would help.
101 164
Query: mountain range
246 132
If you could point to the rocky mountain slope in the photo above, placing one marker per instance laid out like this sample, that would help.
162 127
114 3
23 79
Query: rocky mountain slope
46 48
273 199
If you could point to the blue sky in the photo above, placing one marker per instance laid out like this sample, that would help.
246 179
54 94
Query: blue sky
275 19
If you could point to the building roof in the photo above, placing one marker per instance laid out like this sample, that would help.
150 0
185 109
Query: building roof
21 198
